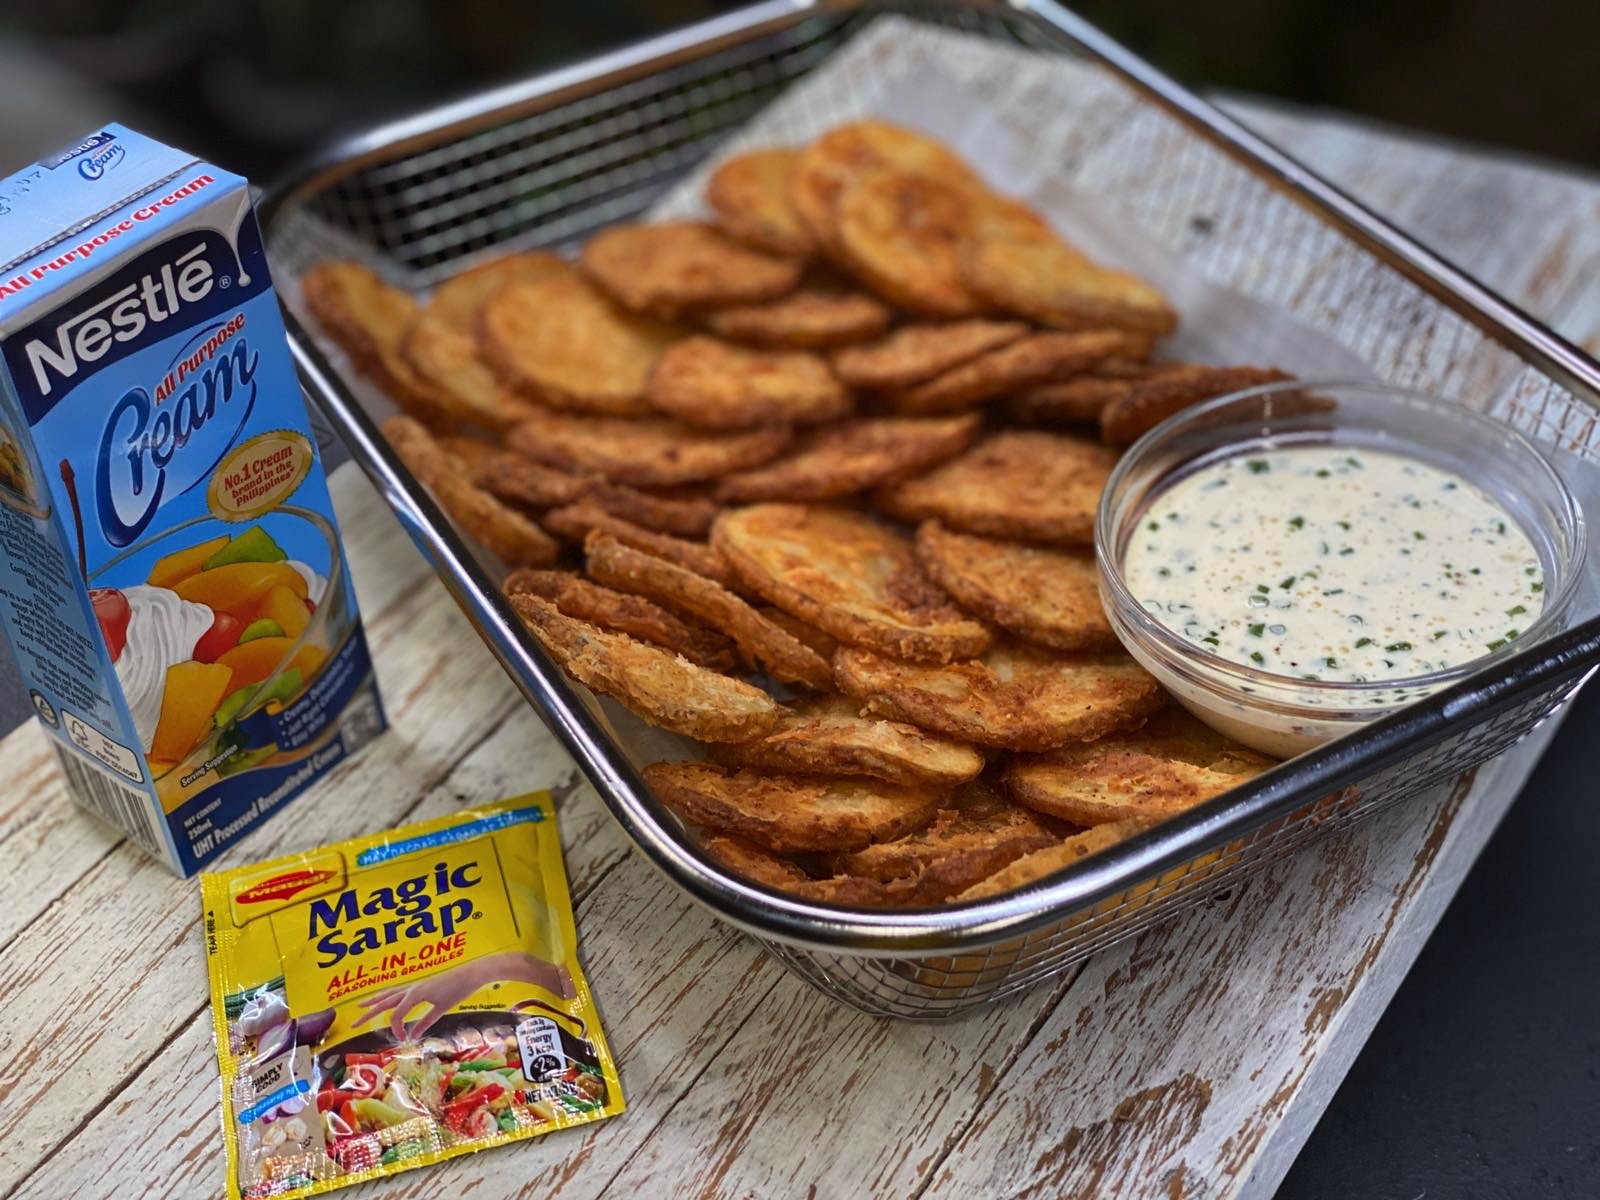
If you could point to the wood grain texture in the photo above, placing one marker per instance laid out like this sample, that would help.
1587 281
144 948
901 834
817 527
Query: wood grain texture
1189 1062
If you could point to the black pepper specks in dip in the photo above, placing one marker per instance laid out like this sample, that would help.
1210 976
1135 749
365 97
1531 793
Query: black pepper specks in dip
1335 564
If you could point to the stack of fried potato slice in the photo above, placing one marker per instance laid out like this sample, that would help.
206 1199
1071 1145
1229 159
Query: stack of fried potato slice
813 483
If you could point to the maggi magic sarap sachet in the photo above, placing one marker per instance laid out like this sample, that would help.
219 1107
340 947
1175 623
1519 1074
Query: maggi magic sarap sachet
173 584
395 1000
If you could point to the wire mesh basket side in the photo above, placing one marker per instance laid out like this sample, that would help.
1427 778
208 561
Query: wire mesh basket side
553 177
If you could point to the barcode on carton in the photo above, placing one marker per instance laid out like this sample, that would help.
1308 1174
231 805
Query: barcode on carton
111 800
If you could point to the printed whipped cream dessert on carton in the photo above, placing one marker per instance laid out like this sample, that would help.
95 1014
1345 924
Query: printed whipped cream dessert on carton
173 585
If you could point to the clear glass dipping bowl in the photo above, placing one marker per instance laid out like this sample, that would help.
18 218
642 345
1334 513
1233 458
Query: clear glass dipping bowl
1282 715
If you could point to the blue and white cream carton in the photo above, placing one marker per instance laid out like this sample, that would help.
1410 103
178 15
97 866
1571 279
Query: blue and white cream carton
173 585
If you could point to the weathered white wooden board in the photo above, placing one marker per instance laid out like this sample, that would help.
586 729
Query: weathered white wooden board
1190 1062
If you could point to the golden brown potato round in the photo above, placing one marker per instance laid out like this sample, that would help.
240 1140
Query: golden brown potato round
1047 596
684 516
827 735
575 522
757 863
458 301
1015 261
561 342
702 599
473 449
635 616
1144 406
1083 397
659 685
1015 697
1034 486
852 576
762 866
844 153
448 363
521 481
809 319
853 456
509 534
714 384
1032 360
369 319
1041 863
682 266
914 353
901 233
977 817
649 452
1171 764
820 640
752 195
791 813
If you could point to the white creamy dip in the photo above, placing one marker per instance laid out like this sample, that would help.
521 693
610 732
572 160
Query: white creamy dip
1334 564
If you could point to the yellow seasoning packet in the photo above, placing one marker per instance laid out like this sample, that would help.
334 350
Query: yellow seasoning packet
396 1000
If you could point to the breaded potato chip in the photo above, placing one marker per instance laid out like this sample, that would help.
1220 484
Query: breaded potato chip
914 353
447 361
458 301
840 156
714 384
852 576
635 616
1047 596
752 195
853 456
650 452
369 320
762 866
1036 486
1128 417
827 735
521 481
575 522
792 813
809 319
560 341
977 817
619 566
1024 363
820 640
1040 863
1016 696
1171 764
664 688
473 450
1083 397
686 516
901 234
1015 261
754 862
514 538
683 266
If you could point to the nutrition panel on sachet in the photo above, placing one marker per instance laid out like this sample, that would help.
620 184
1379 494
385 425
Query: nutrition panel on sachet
1336 564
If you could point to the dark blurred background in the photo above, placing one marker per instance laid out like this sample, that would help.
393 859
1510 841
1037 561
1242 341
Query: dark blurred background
253 84
1483 1078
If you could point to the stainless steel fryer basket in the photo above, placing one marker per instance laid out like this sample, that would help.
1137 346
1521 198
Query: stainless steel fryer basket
546 161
